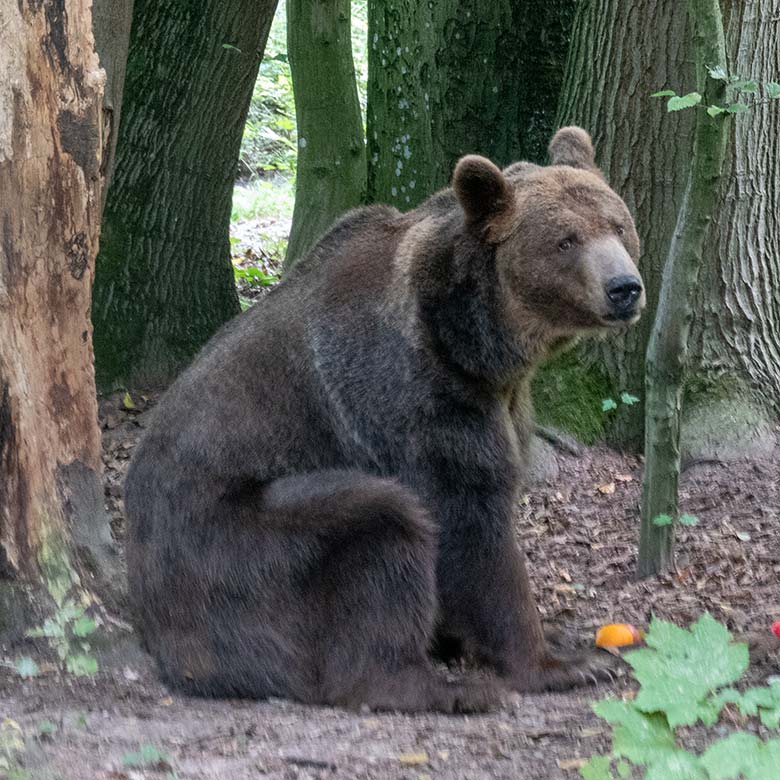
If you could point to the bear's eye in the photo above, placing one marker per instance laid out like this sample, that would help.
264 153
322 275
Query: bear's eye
566 245
620 230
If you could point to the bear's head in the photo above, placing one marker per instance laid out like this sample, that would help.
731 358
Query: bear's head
565 244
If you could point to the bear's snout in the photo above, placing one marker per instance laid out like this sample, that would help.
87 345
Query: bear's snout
624 293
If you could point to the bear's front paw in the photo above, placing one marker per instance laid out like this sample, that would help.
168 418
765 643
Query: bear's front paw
558 672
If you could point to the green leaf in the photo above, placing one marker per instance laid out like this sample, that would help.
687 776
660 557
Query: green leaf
745 86
81 665
772 90
677 103
26 667
742 756
680 765
715 110
84 626
640 737
688 520
664 93
718 73
737 108
46 728
662 520
598 768
628 399
608 404
623 770
231 47
127 401
680 668
147 755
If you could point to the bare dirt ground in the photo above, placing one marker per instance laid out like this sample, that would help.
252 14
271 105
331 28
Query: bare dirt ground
579 528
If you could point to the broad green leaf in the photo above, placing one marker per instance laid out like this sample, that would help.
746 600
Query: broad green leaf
26 667
772 89
597 769
51 629
715 110
742 756
608 404
662 520
628 399
679 102
127 401
664 93
737 108
623 770
640 737
680 668
231 47
84 626
680 765
764 702
688 520
745 86
718 73
81 665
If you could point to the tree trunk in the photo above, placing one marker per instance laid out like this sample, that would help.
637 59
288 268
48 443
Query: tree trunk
51 497
611 72
455 77
667 352
734 360
111 21
331 174
164 280
733 394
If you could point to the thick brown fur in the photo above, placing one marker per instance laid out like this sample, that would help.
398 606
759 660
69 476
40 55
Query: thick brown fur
331 485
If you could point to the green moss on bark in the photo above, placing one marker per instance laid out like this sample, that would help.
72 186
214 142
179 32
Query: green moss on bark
568 393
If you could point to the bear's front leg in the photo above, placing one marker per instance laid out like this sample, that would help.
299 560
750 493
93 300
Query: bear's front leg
486 602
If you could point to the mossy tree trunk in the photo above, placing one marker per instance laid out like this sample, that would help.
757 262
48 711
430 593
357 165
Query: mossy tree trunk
732 386
331 173
456 77
53 530
667 351
164 281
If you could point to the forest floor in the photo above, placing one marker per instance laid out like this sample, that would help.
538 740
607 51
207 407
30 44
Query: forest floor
579 527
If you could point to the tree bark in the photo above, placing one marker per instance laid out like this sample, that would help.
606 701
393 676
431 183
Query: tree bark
164 280
111 21
455 77
667 351
53 529
733 393
331 174
732 390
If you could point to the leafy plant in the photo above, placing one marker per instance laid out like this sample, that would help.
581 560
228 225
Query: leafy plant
66 632
148 756
610 404
685 677
735 104
662 520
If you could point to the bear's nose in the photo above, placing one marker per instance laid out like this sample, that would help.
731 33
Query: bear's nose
623 291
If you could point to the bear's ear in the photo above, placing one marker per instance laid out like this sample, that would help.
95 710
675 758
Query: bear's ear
572 146
481 188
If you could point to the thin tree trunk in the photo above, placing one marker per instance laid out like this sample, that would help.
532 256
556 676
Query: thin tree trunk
667 351
457 77
331 174
51 497
164 279
111 20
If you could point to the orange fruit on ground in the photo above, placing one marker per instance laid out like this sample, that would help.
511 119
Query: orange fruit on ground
617 635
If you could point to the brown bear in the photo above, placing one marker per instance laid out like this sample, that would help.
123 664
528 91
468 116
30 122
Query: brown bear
331 485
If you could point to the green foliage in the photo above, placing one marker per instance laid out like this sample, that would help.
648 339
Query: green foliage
661 520
736 85
148 756
683 674
26 667
263 198
610 404
11 747
66 632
